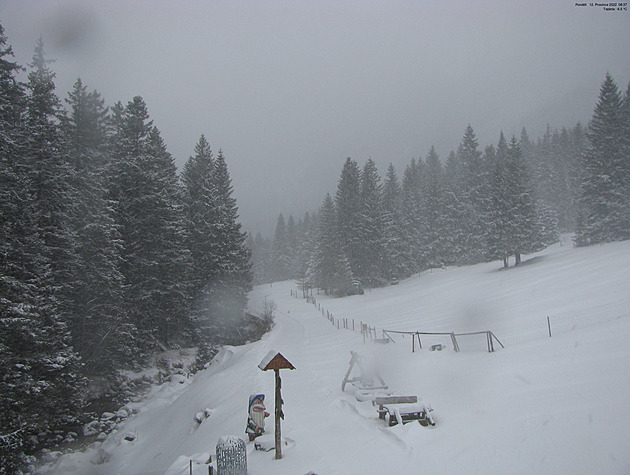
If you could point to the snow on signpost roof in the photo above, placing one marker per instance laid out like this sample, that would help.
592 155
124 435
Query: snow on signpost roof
274 360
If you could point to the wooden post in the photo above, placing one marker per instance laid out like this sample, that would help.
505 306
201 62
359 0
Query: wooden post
274 360
279 415
549 326
455 345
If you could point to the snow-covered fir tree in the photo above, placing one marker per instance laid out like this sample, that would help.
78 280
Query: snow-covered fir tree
147 197
434 237
412 211
329 268
370 244
99 333
348 207
281 251
472 190
200 212
396 255
40 386
604 203
513 214
233 280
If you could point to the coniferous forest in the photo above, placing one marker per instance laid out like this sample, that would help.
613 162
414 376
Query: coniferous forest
107 255
476 205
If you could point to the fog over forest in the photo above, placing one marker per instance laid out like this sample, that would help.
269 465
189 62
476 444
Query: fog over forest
289 90
160 159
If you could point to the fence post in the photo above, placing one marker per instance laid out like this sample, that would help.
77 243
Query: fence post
549 326
455 345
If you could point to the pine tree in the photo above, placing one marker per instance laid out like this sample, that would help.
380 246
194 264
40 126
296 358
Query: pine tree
17 269
99 333
625 150
523 210
147 197
50 176
281 252
233 280
434 213
200 211
305 249
370 229
261 260
412 212
329 268
472 199
348 206
514 218
396 254
604 201
500 215
40 386
163 246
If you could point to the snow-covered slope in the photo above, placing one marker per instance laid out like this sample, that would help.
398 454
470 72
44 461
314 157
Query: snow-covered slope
541 405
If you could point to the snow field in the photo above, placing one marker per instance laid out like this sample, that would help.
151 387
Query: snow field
541 405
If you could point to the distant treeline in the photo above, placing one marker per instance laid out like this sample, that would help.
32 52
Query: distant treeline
106 255
476 206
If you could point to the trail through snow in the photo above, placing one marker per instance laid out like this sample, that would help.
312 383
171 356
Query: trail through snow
541 405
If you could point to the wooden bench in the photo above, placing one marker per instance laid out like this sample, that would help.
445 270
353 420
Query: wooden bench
402 409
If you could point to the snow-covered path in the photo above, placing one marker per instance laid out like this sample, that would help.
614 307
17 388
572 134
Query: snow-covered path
541 405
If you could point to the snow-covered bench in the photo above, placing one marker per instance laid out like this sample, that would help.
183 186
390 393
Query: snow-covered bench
402 409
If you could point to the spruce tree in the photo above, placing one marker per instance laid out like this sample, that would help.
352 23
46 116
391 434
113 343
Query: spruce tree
370 229
514 217
147 197
99 333
281 251
524 218
50 177
604 200
40 386
234 277
472 192
200 211
329 268
348 208
435 238
396 255
500 215
412 220
164 244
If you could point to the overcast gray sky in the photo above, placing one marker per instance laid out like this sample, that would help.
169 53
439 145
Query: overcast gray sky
288 89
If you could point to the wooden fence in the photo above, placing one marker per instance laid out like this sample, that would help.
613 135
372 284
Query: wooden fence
370 332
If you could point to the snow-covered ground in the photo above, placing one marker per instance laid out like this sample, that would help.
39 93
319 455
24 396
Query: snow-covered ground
541 405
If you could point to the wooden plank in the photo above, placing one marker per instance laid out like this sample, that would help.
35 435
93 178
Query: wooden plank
384 400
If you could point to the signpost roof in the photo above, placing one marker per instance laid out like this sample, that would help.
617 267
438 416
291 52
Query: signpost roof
274 360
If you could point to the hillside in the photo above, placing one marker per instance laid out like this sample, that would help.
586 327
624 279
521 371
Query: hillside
540 405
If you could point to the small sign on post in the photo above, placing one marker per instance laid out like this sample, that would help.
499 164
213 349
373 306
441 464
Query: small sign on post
275 361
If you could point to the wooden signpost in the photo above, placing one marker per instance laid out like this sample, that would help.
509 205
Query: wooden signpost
276 362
